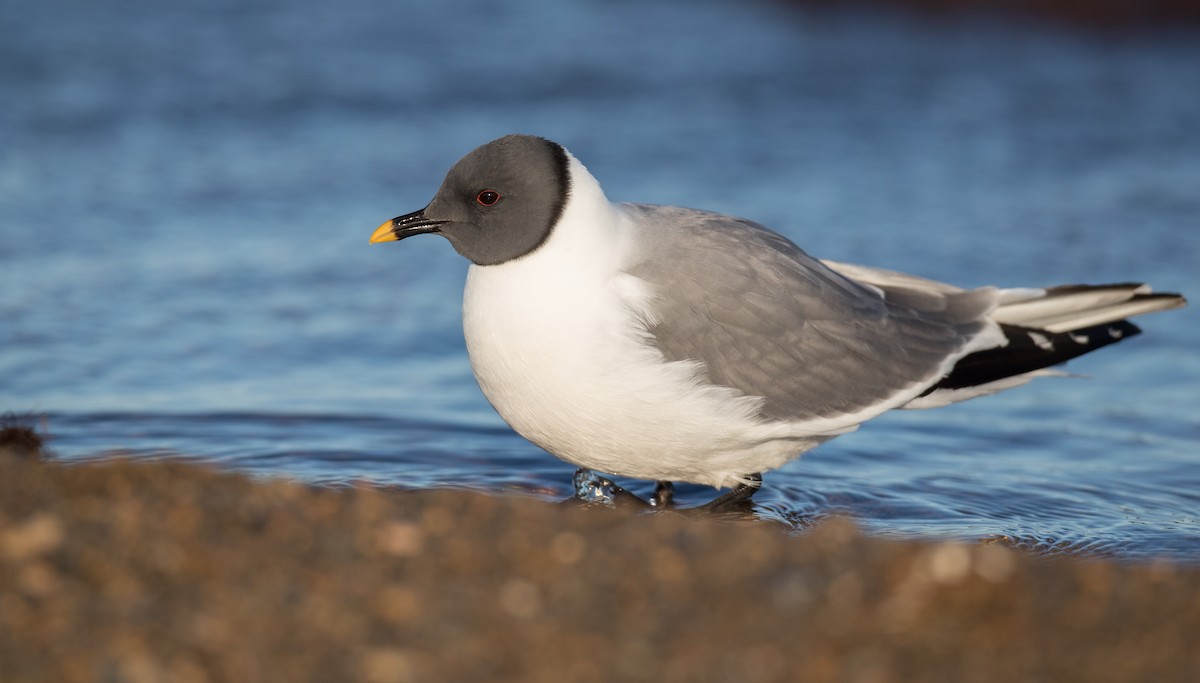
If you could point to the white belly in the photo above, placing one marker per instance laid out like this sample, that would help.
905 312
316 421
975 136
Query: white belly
557 354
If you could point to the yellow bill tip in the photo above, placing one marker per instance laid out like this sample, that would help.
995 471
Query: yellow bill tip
383 233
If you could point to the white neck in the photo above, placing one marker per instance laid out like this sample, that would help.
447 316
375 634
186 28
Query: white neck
589 232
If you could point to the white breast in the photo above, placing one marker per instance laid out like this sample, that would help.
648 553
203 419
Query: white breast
558 344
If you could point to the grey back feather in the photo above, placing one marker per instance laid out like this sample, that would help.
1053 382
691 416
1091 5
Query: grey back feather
767 319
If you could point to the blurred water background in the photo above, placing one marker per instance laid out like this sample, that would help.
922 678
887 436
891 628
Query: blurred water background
187 188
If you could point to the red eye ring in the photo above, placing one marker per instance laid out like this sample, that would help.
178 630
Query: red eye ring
487 198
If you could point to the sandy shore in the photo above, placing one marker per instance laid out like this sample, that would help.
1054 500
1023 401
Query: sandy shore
148 572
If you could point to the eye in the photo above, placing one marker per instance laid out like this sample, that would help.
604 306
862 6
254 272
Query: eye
487 198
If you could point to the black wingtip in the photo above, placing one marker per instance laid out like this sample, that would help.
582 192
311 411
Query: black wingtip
1030 349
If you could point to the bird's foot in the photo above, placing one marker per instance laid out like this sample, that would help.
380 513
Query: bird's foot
736 499
593 489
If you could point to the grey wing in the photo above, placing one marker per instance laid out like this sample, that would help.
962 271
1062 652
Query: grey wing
769 320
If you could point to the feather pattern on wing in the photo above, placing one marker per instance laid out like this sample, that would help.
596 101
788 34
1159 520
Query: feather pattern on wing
769 320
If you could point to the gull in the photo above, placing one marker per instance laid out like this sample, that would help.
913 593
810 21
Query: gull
673 344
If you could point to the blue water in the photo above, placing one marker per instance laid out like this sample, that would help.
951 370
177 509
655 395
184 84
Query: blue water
186 192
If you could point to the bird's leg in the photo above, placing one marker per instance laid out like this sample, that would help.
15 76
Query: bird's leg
591 488
736 497
664 495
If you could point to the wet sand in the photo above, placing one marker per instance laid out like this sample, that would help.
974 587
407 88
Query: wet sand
143 572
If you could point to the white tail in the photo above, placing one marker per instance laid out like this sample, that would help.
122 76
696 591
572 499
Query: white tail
1073 307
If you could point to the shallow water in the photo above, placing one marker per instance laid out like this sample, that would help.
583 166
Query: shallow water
186 194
